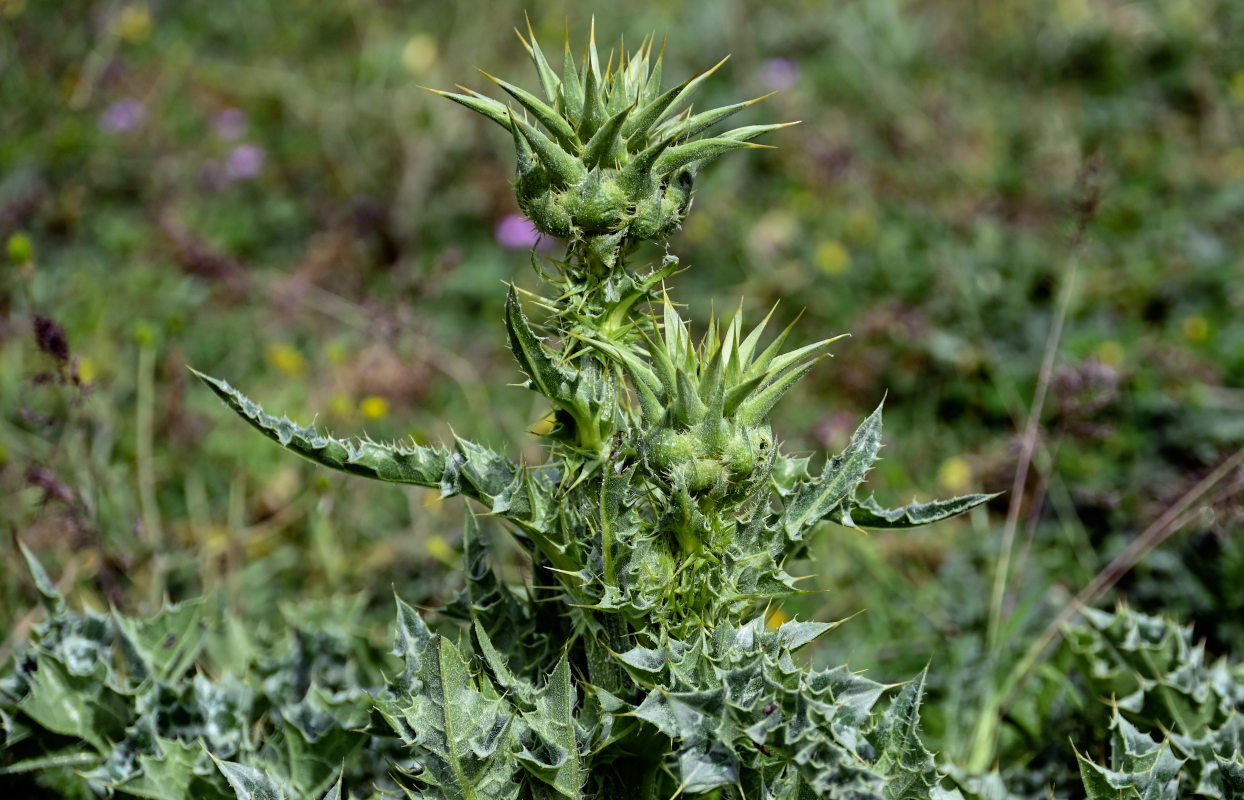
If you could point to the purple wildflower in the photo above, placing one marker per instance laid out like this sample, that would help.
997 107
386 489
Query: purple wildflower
779 74
515 232
244 162
123 115
230 124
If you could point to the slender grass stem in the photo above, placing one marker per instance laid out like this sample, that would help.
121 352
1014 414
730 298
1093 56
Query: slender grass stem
1028 445
153 526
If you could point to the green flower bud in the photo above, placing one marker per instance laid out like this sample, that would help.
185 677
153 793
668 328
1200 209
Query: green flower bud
547 211
670 449
622 152
598 205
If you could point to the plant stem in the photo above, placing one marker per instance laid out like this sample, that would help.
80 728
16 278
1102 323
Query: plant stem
153 528
1032 430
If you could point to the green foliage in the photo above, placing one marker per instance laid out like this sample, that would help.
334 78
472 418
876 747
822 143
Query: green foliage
1158 679
103 703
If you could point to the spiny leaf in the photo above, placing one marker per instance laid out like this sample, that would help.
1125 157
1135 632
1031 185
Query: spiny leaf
593 107
637 127
571 88
249 783
600 150
757 406
497 667
77 703
51 598
749 132
168 774
464 738
549 81
548 117
411 634
707 119
167 643
564 168
557 762
672 101
909 767
422 466
497 112
547 378
868 513
814 500
697 151
335 792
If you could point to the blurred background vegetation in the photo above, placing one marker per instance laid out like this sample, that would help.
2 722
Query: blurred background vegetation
977 188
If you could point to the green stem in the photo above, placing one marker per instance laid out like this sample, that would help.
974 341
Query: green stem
144 423
604 670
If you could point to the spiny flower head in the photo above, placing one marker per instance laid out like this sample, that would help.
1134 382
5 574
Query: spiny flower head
614 162
704 411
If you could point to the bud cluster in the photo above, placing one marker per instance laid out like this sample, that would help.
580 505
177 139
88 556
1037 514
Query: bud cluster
705 411
617 156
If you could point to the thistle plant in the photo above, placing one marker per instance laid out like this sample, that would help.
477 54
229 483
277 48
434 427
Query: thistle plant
663 525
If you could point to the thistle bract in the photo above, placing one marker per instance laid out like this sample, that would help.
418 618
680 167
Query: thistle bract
608 158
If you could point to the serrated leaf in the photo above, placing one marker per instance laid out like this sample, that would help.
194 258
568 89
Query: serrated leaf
909 768
463 737
167 643
556 760
497 667
1140 767
694 720
170 774
794 634
868 513
320 734
80 705
813 501
546 377
422 466
249 783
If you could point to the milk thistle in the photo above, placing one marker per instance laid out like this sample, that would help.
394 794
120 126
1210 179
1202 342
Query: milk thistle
663 523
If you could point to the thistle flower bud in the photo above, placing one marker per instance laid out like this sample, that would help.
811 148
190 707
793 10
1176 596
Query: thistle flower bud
705 411
616 159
